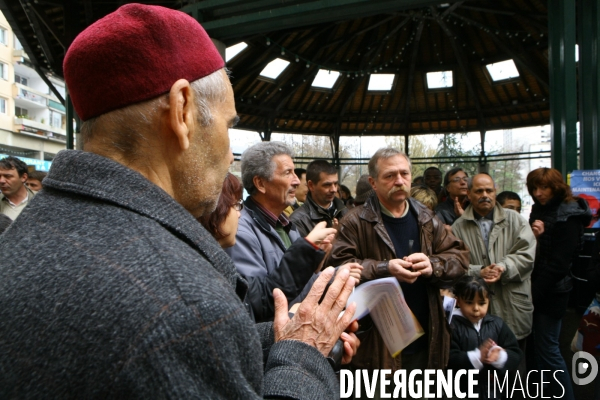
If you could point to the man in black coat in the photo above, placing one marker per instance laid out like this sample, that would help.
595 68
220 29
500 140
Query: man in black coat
129 297
321 203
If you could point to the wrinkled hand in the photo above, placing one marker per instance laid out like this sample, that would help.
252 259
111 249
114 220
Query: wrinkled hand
537 227
317 324
321 234
351 342
492 273
458 210
402 270
420 263
355 270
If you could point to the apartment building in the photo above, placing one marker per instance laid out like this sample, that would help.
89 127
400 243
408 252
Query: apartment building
32 119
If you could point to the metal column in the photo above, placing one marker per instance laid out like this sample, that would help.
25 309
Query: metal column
588 30
563 89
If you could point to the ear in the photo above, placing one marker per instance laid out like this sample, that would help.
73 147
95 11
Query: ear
24 177
310 185
259 184
182 110
372 182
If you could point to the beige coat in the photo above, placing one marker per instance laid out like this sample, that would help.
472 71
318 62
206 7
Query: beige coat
511 245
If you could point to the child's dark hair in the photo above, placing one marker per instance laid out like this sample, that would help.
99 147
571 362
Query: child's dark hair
467 286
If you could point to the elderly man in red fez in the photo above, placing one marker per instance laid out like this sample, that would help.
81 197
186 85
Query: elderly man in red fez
130 297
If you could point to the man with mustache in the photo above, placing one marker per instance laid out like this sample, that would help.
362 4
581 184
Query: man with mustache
502 252
394 235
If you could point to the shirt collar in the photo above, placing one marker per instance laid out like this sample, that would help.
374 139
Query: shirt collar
389 213
489 215
25 200
272 219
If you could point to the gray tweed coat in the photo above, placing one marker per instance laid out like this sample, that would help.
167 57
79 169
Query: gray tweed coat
110 289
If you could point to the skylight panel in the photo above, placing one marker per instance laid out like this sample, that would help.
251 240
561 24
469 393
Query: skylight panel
234 50
274 68
439 79
503 70
325 79
381 82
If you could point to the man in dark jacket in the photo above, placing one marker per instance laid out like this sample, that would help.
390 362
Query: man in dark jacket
266 241
393 235
130 297
321 203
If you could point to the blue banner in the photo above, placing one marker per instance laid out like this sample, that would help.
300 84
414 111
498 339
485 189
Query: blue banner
586 184
40 165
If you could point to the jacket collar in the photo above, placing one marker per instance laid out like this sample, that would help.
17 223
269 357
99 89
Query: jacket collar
317 212
254 213
499 213
91 175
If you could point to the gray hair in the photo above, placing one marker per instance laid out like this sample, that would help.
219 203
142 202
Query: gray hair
384 153
257 160
126 126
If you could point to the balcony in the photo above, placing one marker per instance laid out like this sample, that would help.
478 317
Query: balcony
31 127
28 98
20 55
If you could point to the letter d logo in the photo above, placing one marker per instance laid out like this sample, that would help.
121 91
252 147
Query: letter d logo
584 368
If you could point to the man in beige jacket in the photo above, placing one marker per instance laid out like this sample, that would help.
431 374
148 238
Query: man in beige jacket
502 252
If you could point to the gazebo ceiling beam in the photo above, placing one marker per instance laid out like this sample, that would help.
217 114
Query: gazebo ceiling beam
521 60
531 18
391 116
296 15
464 67
49 24
411 75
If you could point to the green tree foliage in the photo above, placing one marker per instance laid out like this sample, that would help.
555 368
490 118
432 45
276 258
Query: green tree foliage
450 146
417 148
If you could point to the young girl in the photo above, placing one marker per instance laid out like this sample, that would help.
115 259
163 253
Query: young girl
481 341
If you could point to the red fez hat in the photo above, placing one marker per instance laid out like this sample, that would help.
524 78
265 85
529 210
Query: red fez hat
134 54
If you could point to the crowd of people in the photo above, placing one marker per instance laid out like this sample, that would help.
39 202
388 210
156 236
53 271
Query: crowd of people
153 277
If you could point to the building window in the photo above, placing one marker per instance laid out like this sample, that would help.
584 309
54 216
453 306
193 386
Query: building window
3 36
20 79
2 106
21 112
56 119
18 45
3 71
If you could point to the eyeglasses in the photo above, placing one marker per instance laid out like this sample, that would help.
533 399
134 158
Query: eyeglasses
239 205
458 179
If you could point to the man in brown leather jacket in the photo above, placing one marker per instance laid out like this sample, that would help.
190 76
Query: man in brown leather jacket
394 235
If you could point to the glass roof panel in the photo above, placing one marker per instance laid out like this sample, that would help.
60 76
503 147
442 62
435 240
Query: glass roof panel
274 68
381 82
325 79
439 79
234 50
503 70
